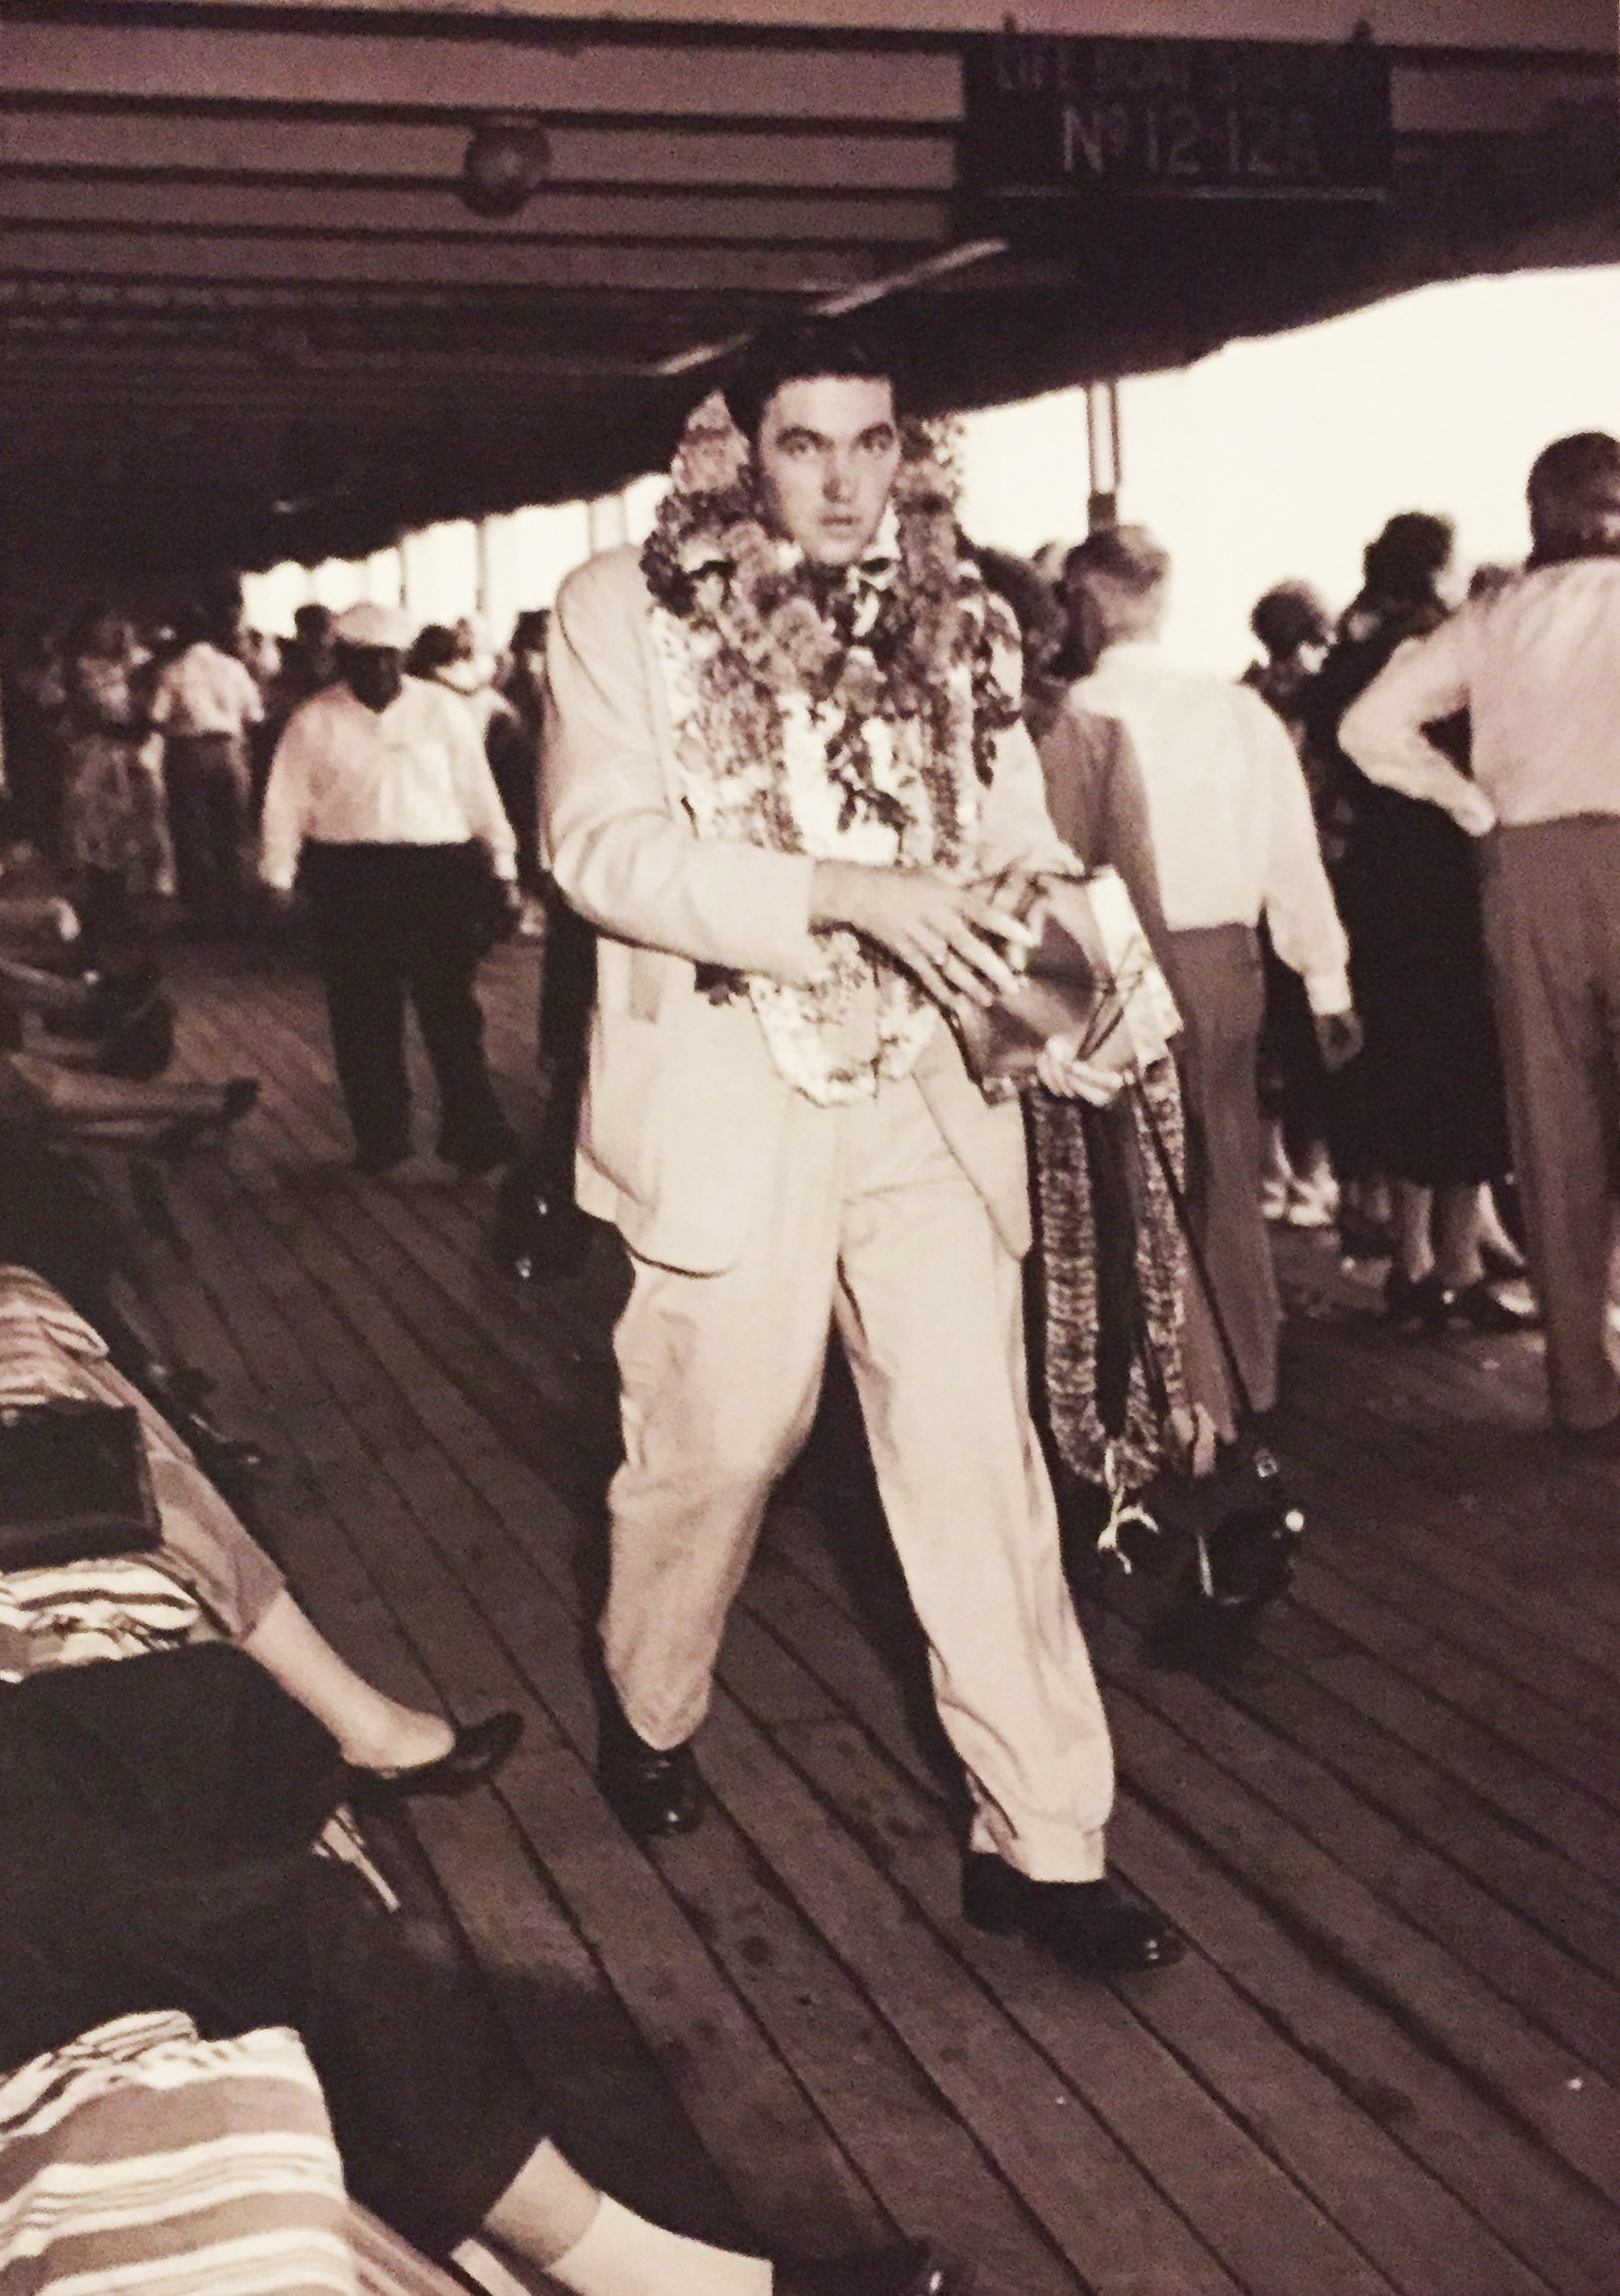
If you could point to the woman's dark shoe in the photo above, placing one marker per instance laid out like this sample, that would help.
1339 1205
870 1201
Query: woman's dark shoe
1503 1266
1088 1925
918 2270
1480 1306
1359 1236
478 1753
481 1153
222 1457
541 1236
1414 1302
381 1156
237 1098
652 1790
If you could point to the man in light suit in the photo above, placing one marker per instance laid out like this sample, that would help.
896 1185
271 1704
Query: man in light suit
777 1118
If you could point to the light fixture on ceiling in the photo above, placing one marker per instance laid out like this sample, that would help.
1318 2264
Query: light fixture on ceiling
507 160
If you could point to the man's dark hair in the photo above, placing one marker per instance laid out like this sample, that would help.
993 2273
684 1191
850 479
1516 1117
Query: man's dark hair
804 353
1289 616
1126 555
434 648
1409 557
1572 483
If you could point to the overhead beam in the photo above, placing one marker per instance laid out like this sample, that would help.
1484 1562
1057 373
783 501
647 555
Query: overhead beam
207 141
53 254
1448 23
635 79
341 210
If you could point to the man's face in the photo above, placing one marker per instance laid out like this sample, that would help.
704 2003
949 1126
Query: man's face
372 673
827 454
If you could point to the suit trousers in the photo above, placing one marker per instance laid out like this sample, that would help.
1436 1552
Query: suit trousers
869 1220
394 922
1219 983
1550 894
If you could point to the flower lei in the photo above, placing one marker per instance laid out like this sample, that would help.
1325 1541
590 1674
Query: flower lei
844 714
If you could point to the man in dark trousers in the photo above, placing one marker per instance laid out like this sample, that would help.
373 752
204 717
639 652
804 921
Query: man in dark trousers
1535 661
381 803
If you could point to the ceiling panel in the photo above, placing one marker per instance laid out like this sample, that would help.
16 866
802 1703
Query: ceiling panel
244 308
504 68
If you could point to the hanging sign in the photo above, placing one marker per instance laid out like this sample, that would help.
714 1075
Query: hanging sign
1050 118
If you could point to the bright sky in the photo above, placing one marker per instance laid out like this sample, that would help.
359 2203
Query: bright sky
1271 459
1284 457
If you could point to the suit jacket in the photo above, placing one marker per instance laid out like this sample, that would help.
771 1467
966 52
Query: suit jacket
683 1107
1099 808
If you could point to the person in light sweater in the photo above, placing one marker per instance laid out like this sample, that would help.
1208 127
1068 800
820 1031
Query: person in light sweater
1233 839
1535 661
204 705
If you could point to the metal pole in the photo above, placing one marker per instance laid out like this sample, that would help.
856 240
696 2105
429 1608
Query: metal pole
1102 453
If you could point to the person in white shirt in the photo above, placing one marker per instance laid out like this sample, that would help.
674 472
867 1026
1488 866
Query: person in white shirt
1537 663
204 703
381 803
1233 840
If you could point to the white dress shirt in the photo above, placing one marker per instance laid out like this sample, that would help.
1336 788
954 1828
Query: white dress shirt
412 774
1537 668
205 691
1233 835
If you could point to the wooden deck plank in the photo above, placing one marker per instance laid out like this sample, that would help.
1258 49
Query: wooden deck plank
1498 1945
1344 2135
1392 1834
1335 1953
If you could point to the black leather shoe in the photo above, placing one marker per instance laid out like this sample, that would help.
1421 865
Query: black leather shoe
1480 1306
479 1152
381 1156
219 1455
918 2270
1416 1302
1086 1924
653 1791
477 1753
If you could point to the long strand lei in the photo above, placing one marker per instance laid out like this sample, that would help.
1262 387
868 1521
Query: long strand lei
909 640
713 562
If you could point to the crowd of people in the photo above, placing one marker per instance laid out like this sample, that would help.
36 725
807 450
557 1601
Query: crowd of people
138 747
813 777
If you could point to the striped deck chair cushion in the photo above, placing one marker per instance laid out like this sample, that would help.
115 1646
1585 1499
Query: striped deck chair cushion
140 2161
83 1612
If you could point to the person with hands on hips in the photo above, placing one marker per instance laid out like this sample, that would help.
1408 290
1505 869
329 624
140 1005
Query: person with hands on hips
784 760
1536 664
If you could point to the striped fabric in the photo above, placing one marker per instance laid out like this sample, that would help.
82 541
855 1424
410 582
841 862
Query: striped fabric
142 2161
42 1341
79 1614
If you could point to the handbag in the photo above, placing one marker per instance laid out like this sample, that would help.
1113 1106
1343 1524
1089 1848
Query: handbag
1088 975
73 1483
1245 1526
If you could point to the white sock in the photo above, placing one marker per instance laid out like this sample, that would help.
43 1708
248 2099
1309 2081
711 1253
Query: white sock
623 2255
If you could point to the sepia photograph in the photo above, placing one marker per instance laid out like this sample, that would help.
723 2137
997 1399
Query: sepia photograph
651 650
